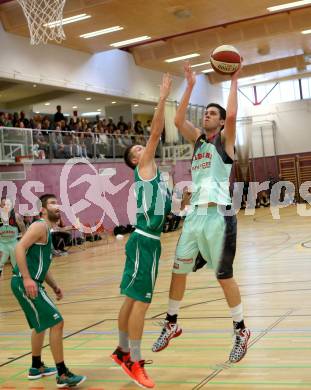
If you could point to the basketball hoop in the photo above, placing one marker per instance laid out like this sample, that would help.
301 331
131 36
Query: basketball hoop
45 20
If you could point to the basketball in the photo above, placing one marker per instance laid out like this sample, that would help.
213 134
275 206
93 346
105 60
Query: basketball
225 59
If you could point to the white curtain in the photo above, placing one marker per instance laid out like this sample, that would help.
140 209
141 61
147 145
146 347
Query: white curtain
171 132
243 140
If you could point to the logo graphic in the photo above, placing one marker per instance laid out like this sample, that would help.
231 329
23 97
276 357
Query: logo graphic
99 186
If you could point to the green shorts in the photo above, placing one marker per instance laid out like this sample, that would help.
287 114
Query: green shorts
41 313
141 267
207 231
7 251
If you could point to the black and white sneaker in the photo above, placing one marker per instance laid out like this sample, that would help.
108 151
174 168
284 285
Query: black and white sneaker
240 341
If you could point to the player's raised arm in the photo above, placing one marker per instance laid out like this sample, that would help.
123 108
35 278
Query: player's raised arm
157 125
186 128
232 110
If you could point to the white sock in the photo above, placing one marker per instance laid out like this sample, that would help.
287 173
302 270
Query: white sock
237 313
173 307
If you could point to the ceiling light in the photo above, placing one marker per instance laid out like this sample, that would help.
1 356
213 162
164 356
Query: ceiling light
88 98
47 103
101 32
183 57
306 32
129 41
99 109
136 105
208 70
202 63
72 19
92 113
35 85
289 5
74 107
37 112
113 102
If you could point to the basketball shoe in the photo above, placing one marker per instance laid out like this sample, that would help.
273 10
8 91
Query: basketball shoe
169 332
119 356
136 371
240 341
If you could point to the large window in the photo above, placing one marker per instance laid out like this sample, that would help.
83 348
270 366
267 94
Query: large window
306 87
283 91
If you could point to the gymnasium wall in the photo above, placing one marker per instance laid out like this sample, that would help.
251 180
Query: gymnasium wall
293 125
113 72
115 112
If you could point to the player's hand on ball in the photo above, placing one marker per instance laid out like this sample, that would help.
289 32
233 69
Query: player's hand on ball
236 74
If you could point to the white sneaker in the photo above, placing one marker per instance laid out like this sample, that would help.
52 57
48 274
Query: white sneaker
169 332
240 341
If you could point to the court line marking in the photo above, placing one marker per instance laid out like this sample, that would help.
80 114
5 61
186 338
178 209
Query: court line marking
227 364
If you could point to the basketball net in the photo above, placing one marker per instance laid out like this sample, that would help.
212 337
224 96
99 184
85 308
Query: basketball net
44 18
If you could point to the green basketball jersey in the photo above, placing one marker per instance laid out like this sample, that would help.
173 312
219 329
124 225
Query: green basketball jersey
153 203
210 169
39 257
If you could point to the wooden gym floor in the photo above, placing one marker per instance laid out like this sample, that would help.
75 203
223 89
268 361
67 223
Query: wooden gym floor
273 268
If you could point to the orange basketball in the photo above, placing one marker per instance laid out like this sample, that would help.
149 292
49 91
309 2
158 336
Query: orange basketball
225 59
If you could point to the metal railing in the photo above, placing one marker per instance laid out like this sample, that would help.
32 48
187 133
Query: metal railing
17 144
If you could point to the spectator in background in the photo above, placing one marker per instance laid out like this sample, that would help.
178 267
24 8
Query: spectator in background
28 219
57 143
2 119
46 125
138 128
15 119
147 128
71 124
81 147
9 119
130 127
122 124
102 135
126 139
24 120
41 143
104 123
58 116
61 237
111 124
179 210
264 199
5 119
63 125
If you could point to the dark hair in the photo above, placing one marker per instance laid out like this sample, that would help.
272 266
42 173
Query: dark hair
128 157
44 199
221 110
